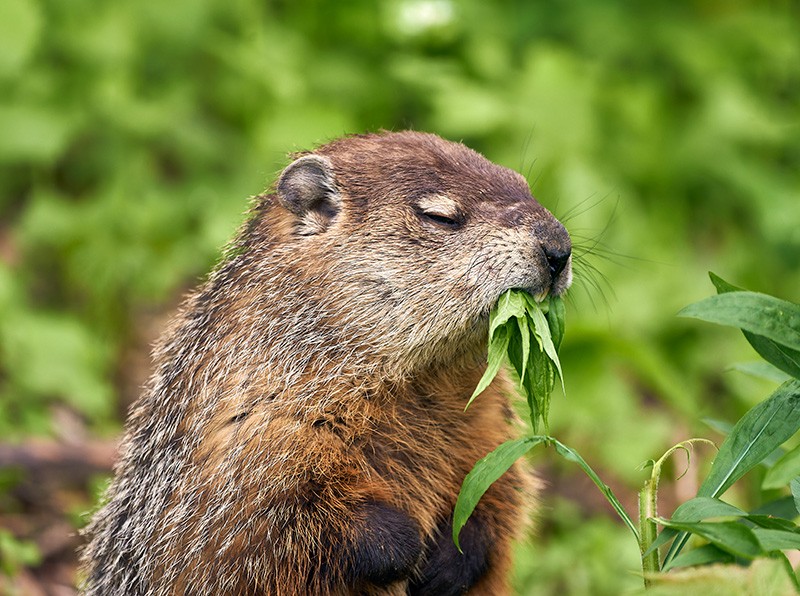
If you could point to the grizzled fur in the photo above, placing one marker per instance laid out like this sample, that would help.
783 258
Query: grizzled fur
304 430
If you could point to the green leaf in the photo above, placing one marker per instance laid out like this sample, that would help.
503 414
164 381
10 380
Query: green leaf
794 485
515 350
539 384
769 522
757 434
722 285
733 537
497 351
703 555
780 507
543 332
783 358
761 314
525 336
784 470
701 508
695 510
780 356
664 537
772 540
725 428
484 474
556 318
510 305
761 370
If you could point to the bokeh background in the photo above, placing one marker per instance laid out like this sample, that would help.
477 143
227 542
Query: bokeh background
666 135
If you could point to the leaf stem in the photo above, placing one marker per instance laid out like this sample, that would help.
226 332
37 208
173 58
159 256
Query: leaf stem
573 456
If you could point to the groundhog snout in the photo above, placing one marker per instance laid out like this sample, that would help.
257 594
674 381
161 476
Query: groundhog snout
557 249
556 260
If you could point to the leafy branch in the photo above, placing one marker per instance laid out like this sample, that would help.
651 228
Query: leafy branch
528 336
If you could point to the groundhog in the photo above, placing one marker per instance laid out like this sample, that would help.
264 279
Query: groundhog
304 429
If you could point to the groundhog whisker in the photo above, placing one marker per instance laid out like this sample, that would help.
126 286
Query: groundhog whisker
581 207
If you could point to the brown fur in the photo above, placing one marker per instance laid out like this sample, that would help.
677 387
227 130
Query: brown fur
323 368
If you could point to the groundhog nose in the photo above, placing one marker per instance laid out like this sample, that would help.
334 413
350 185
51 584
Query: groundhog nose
556 260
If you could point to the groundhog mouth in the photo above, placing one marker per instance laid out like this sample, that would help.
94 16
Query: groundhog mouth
538 295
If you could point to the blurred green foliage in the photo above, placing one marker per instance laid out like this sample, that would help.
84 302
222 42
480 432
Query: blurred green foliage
667 136
15 554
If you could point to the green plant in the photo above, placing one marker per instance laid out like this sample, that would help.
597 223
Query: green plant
16 554
519 324
772 327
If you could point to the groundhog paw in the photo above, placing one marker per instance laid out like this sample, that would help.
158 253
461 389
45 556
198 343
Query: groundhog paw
447 572
385 546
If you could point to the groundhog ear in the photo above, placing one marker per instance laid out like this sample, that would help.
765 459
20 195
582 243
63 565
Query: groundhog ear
307 188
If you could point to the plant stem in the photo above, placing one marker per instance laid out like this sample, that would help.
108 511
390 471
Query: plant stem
648 510
648 530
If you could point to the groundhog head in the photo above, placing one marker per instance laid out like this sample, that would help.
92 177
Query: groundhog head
411 239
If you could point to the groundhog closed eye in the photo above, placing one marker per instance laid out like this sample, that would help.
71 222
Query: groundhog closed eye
304 429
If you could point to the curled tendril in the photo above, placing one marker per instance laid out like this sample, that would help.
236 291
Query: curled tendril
684 446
